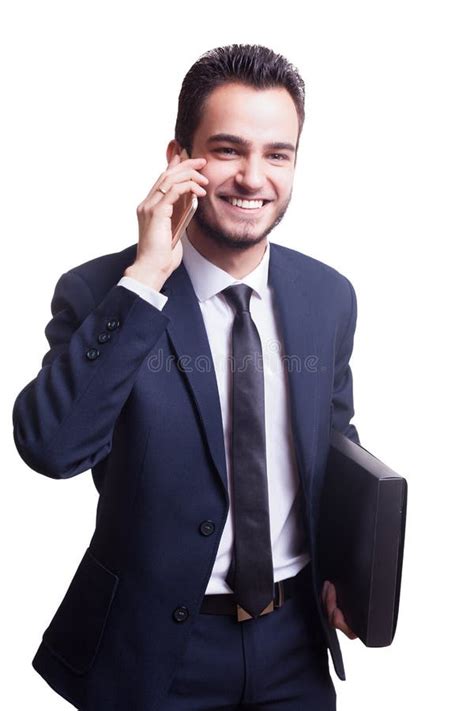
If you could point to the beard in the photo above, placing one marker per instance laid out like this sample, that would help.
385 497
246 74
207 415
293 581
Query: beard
240 239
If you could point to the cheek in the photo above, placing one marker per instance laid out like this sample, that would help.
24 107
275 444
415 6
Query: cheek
217 172
285 187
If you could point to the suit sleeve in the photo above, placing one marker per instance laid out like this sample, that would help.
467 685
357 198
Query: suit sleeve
342 406
63 420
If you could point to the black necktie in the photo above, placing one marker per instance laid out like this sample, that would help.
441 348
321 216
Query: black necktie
251 572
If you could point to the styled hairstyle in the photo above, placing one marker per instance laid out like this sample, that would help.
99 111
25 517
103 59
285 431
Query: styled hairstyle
249 64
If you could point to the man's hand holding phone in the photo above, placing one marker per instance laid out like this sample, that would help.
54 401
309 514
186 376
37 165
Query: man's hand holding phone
157 257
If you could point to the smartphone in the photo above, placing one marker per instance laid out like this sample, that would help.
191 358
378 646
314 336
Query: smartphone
183 211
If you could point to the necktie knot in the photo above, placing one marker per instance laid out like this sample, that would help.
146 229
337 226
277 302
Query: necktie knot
238 295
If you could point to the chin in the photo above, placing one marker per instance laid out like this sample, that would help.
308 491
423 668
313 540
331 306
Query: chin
233 239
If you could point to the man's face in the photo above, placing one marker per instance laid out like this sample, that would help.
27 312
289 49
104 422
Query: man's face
254 161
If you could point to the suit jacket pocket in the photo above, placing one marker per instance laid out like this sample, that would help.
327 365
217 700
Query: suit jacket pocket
76 629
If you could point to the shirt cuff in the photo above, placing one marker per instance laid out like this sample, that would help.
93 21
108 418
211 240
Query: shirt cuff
155 298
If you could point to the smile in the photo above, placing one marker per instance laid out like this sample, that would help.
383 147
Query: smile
245 206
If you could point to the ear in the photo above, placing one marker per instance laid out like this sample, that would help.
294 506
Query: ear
174 148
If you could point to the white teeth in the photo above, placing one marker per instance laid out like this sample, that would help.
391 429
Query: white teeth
248 204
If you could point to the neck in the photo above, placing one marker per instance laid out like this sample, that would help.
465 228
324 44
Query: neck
237 263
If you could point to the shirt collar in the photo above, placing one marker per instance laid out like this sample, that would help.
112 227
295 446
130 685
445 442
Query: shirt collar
208 279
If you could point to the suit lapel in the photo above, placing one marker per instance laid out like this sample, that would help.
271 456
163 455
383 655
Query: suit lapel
188 335
293 307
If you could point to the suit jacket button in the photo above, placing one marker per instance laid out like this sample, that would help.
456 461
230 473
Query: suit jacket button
207 527
181 613
104 337
93 353
112 324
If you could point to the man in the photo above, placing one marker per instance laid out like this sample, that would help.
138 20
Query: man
200 587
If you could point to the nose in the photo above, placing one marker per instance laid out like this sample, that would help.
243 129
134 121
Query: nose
251 175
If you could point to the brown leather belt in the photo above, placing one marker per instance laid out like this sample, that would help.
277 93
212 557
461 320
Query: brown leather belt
225 604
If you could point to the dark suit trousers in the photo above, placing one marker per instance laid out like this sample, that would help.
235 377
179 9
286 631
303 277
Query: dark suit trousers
277 661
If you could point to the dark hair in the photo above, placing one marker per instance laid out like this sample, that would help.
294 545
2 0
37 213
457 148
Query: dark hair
249 64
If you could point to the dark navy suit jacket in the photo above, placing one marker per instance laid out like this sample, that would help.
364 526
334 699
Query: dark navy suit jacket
129 391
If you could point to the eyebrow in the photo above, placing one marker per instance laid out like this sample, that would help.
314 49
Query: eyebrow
230 138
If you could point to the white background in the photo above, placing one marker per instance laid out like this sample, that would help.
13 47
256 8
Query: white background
383 192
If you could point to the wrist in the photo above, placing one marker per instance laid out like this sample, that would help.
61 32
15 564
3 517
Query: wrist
151 278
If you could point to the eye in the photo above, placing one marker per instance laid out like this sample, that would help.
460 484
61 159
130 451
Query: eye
228 151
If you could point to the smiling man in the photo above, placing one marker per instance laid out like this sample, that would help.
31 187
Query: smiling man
200 383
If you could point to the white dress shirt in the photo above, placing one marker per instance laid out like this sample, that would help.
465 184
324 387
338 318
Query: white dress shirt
289 548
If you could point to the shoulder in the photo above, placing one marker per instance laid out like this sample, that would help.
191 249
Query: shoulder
315 275
103 272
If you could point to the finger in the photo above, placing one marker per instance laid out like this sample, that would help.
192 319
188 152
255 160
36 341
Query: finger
324 591
172 194
175 161
163 187
178 189
178 176
331 602
335 614
338 621
186 163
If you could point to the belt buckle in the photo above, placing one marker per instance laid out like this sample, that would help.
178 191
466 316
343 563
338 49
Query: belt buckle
272 605
281 594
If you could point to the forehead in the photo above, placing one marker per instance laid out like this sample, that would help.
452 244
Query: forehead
255 114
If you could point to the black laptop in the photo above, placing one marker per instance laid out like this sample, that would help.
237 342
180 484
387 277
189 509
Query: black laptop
361 538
